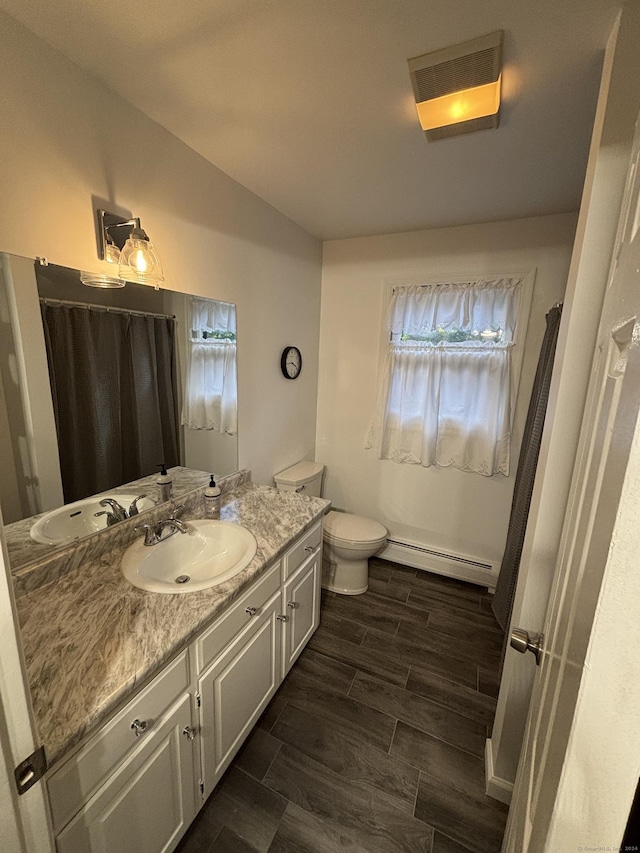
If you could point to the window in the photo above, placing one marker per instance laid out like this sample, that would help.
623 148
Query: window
210 398
449 383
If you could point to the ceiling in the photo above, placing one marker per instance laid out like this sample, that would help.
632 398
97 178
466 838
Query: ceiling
308 103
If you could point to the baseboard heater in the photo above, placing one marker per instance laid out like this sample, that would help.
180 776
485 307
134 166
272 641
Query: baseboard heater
427 559
452 557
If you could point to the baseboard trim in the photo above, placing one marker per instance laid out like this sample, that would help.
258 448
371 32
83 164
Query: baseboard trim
495 787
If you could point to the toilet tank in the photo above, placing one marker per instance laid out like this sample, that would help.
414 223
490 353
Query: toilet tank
303 477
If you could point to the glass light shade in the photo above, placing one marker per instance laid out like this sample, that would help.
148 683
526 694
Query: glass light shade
460 106
98 279
107 277
138 260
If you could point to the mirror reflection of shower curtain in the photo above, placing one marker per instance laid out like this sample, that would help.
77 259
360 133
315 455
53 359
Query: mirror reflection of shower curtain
113 382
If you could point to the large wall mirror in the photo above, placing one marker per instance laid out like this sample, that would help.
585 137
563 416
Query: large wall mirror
98 386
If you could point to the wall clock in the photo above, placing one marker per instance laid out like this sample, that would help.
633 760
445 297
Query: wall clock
291 362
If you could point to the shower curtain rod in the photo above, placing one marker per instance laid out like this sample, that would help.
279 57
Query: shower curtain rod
51 301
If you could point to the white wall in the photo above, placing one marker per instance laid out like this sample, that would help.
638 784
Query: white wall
67 142
441 507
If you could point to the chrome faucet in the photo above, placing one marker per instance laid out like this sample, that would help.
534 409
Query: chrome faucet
116 511
154 533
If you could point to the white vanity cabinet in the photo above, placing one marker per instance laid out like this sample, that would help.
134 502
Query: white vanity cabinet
236 684
131 786
302 570
138 782
270 626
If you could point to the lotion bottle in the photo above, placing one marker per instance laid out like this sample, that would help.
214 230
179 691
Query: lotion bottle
212 500
165 484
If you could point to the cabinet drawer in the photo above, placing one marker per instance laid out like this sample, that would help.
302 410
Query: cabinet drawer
306 545
225 628
74 782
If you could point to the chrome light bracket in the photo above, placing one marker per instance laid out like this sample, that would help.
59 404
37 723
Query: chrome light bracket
118 229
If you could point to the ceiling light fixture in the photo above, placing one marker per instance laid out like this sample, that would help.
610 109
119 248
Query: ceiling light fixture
457 89
123 242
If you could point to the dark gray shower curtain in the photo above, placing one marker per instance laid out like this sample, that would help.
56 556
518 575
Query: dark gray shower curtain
113 382
506 587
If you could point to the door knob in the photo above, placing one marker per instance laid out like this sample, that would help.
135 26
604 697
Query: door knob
523 641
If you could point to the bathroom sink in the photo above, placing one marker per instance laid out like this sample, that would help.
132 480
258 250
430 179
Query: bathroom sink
75 520
210 553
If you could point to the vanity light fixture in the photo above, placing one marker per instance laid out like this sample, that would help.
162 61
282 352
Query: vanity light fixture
124 242
457 89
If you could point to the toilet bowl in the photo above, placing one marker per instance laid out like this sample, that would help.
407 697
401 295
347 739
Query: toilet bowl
349 540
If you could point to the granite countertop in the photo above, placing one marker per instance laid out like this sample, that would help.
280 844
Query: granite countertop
90 638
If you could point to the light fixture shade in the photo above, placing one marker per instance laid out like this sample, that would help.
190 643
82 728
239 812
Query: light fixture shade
457 88
98 279
138 260
465 105
107 277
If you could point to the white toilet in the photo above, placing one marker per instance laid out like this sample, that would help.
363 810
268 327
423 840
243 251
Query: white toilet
349 540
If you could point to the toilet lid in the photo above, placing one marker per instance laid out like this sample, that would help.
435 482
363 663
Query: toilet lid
353 528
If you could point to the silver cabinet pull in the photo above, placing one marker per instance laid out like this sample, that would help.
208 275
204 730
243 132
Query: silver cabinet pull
309 549
293 604
524 641
301 488
282 618
189 732
251 610
139 727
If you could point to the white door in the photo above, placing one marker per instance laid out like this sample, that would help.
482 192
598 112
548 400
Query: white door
581 754
24 819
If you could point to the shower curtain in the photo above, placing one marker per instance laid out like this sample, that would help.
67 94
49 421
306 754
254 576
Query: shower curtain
502 604
113 383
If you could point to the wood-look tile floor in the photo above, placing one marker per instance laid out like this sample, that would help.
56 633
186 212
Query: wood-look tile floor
375 740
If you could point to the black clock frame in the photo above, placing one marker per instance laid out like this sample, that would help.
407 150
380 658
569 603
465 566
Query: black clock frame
283 362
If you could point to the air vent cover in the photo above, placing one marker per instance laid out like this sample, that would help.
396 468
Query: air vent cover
454 69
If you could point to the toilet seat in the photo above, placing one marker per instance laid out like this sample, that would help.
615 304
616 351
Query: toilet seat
346 529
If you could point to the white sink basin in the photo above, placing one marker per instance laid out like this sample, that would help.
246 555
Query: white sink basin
75 520
210 553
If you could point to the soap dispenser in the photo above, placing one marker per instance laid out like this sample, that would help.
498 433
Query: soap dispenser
165 484
212 499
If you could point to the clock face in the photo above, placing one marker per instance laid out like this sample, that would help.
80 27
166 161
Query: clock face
291 362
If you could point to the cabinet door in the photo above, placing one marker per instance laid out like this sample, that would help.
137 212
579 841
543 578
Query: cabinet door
236 689
148 803
302 608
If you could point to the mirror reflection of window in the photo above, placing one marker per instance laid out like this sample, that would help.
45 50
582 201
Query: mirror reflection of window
210 396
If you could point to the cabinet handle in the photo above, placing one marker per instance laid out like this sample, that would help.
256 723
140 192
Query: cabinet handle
251 610
282 618
189 732
139 727
301 488
293 604
309 549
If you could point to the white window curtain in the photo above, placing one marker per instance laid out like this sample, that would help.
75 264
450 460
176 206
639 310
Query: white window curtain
210 397
446 396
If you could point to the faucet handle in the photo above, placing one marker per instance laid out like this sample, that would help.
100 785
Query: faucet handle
118 510
133 509
150 533
111 517
177 510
